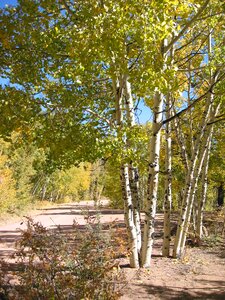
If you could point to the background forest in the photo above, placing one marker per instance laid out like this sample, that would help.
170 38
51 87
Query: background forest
27 179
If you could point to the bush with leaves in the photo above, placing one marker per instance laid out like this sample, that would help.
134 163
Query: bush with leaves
78 264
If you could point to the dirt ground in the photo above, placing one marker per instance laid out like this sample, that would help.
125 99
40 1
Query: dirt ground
199 275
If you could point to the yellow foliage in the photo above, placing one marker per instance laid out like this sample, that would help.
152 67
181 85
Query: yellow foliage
7 185
80 178
73 182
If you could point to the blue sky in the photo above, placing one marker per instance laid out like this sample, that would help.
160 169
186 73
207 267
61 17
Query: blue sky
9 2
143 113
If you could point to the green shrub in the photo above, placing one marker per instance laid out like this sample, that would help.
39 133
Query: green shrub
60 265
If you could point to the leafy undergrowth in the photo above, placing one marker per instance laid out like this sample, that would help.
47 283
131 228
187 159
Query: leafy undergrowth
215 222
56 264
214 228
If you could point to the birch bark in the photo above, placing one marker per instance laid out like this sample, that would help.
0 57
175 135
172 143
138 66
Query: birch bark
119 92
153 173
204 181
168 184
133 171
190 178
193 171
150 210
202 200
134 183
194 185
129 217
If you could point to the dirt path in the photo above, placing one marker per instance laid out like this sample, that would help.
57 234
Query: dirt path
200 275
63 215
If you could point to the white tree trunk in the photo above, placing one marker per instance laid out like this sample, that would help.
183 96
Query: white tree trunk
168 184
194 185
150 210
44 189
129 217
134 183
120 91
204 181
133 171
203 137
190 179
202 200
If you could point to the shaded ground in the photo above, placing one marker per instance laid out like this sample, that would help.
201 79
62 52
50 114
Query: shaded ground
200 275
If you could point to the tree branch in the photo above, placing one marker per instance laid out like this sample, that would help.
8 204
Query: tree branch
191 40
189 23
99 116
67 7
210 90
216 121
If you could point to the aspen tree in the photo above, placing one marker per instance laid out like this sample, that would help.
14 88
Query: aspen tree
204 178
153 177
202 199
199 152
168 171
191 178
130 215
150 212
168 183
194 185
133 171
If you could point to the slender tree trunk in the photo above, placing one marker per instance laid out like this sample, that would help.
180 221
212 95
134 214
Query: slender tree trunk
202 200
194 212
133 171
150 211
129 217
51 197
181 142
192 172
153 173
205 137
220 195
134 185
120 89
190 180
194 185
37 185
204 181
134 179
57 196
189 103
44 189
168 184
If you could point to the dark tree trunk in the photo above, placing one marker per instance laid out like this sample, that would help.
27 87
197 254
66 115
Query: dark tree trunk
220 195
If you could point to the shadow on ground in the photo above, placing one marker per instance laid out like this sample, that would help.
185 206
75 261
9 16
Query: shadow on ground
88 212
215 291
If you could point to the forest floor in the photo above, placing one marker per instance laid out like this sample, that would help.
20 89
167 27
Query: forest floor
199 275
